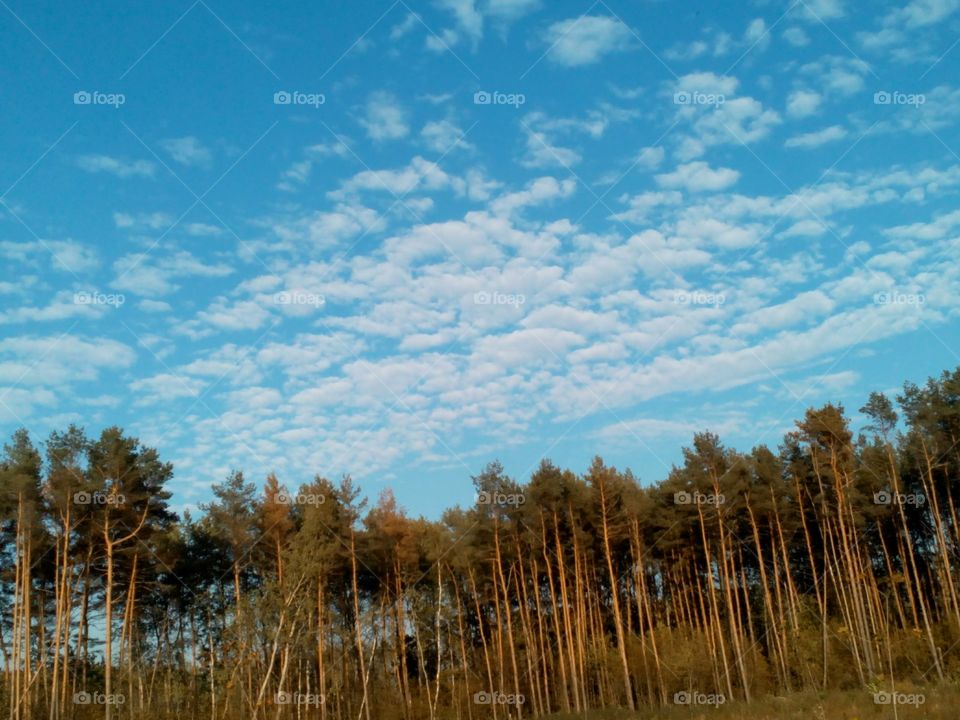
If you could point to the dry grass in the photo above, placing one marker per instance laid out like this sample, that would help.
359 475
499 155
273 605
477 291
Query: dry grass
941 702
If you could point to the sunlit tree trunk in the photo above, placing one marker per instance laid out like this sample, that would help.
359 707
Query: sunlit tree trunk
615 595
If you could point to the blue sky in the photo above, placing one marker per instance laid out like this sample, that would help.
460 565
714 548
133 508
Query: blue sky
402 239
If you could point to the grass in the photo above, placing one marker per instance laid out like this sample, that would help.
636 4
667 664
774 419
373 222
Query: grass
941 702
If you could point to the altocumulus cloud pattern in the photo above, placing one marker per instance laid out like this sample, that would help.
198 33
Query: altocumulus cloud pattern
399 239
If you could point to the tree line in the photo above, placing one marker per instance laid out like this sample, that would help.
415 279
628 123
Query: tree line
827 562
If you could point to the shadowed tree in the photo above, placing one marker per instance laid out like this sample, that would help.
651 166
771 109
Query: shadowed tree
22 527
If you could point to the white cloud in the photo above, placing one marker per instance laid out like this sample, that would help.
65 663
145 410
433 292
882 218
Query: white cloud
443 136
474 241
308 353
467 17
717 43
937 111
116 166
881 39
244 315
697 177
509 10
838 74
61 307
299 172
202 229
542 152
139 221
643 205
805 228
707 83
538 191
154 306
816 139
442 42
405 26
716 232
543 346
326 228
155 273
735 120
73 256
920 13
650 157
757 35
59 360
796 36
688 51
187 151
894 38
819 10
543 148
594 124
611 265
26 402
61 255
935 230
479 187
805 307
803 103
384 118
420 174
585 40
165 387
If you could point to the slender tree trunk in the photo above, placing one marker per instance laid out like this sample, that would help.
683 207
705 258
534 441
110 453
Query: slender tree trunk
356 617
614 592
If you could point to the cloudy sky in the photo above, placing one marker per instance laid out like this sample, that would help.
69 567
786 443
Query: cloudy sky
402 239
